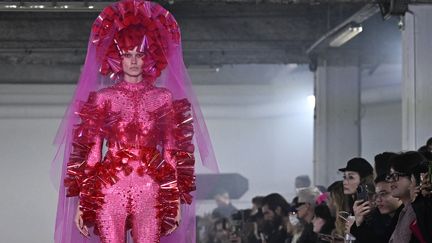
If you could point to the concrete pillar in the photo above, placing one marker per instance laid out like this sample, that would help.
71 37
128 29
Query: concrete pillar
417 77
337 118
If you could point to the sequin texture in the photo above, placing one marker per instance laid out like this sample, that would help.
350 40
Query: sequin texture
148 168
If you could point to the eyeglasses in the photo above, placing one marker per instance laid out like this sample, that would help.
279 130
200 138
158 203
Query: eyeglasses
393 177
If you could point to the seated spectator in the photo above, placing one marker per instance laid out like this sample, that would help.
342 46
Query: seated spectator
358 177
377 224
388 206
383 218
426 148
293 226
336 204
323 222
274 209
257 203
426 184
415 219
255 221
224 207
305 212
357 172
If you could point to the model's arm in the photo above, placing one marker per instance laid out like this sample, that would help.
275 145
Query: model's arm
183 152
87 143
86 152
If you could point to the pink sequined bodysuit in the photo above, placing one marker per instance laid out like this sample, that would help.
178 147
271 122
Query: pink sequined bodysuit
148 169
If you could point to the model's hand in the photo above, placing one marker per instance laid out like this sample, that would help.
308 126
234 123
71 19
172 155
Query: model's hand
80 223
360 210
178 219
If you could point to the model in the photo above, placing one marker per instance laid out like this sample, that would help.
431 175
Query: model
127 137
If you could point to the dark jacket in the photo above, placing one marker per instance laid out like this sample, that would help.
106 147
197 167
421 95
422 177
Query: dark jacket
278 235
308 236
423 209
377 228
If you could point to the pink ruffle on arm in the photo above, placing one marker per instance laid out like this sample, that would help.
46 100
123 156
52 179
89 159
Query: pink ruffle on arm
183 155
85 174
177 127
86 145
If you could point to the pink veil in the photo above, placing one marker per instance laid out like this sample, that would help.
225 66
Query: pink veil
176 79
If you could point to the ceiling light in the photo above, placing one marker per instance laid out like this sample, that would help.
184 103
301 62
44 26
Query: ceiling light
346 34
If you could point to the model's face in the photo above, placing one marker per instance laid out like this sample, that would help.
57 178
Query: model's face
132 63
385 202
351 180
400 185
318 223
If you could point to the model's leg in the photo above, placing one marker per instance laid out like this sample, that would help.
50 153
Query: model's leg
111 218
145 225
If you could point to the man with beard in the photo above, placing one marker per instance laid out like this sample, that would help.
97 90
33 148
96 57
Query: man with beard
274 209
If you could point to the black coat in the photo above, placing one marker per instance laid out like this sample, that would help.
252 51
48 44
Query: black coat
308 236
423 209
377 228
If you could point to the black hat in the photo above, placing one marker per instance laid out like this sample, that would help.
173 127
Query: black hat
382 163
360 166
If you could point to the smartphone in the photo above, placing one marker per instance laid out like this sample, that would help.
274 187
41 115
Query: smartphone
362 193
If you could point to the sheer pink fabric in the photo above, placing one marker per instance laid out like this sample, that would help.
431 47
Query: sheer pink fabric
175 78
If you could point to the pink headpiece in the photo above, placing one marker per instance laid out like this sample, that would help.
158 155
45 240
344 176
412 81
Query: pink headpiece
131 24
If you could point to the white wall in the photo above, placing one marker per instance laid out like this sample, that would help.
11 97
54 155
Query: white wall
28 203
261 124
381 112
381 129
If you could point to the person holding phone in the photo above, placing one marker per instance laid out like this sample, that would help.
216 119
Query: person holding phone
381 220
358 188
